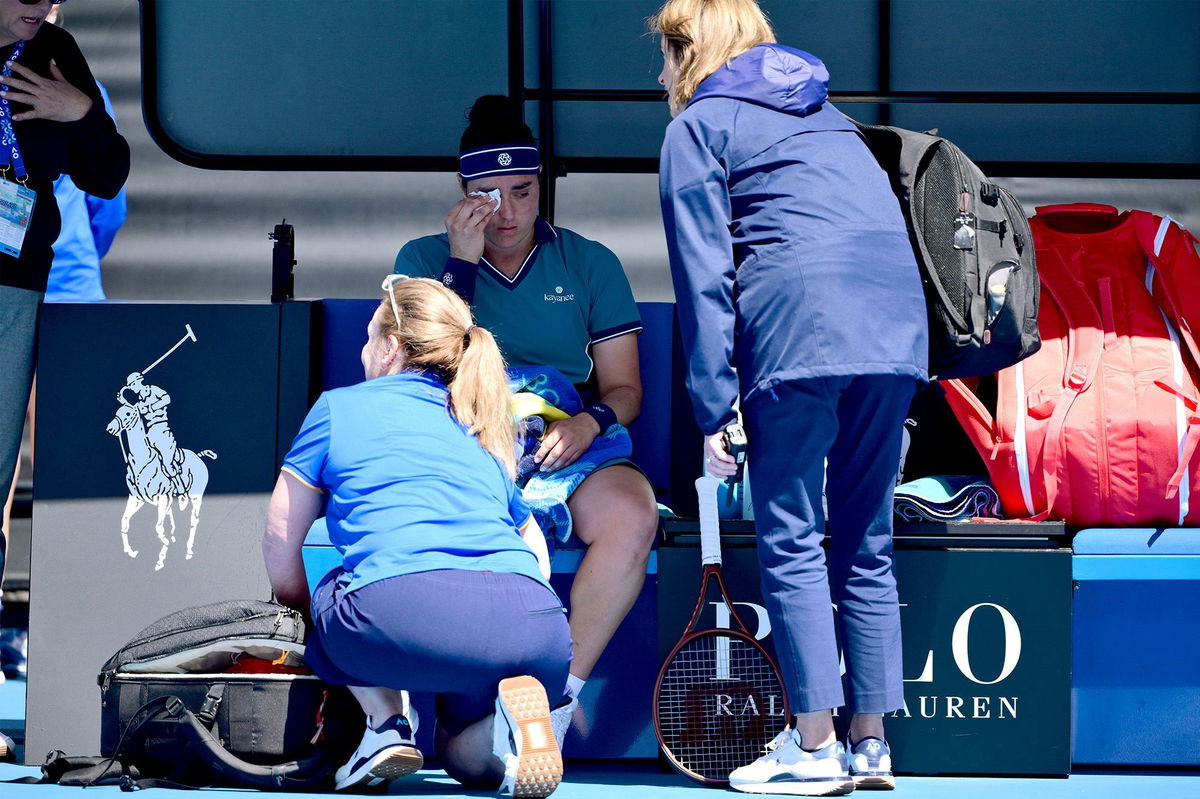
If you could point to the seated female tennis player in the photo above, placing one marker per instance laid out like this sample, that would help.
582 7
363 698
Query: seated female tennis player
437 591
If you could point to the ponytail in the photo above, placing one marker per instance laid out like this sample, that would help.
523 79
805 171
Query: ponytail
479 396
436 330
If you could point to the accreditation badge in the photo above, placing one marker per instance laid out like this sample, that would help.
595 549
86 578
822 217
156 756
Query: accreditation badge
16 212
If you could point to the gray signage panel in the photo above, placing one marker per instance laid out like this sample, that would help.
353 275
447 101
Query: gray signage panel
119 542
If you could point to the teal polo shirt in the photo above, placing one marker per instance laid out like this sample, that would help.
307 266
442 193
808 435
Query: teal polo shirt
570 293
410 489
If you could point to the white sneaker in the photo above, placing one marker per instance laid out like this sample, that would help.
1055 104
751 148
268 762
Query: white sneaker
560 720
523 739
871 764
786 768
386 753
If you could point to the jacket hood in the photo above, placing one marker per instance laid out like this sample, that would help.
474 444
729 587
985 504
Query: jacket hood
772 75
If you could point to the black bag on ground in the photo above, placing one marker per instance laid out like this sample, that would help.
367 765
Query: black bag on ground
974 249
219 695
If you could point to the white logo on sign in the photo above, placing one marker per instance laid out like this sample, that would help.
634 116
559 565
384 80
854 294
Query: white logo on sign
157 471
504 159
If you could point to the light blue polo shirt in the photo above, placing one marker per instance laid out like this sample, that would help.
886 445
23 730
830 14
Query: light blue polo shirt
570 293
410 490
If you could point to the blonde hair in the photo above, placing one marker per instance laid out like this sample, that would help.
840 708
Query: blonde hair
704 35
437 332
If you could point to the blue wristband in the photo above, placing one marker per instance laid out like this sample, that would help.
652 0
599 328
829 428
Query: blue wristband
459 277
605 416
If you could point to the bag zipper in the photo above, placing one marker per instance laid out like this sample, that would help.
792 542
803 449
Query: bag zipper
278 615
1012 208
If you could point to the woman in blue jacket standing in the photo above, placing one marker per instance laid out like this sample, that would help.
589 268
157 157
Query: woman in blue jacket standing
798 291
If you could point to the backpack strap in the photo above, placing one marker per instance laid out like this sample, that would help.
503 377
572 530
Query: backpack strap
1085 344
81 771
1163 242
1171 258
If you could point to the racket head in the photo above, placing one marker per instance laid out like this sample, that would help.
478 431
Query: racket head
718 701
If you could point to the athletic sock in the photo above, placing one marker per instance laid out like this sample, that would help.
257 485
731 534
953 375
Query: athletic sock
574 687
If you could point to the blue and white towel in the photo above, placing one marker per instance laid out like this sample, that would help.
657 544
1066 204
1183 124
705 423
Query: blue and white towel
546 493
946 498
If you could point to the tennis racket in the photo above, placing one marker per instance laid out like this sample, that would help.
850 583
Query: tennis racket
719 698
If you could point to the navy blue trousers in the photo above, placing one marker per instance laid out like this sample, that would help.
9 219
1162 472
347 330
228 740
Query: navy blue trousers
855 424
455 633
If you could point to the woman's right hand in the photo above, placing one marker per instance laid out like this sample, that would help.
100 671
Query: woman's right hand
465 225
717 460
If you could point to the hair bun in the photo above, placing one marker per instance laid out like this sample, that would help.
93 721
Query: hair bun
494 119
492 108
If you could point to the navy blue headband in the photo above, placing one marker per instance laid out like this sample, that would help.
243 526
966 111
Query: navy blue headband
505 159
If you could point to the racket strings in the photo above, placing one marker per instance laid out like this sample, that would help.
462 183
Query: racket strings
720 702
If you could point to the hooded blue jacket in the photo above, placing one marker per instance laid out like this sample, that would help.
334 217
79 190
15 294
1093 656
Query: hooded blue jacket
788 251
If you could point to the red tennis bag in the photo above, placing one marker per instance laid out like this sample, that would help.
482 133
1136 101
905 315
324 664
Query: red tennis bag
1100 427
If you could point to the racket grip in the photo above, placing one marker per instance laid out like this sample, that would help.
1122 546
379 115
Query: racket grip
710 524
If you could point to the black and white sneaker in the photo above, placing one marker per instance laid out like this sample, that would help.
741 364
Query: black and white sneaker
386 753
871 764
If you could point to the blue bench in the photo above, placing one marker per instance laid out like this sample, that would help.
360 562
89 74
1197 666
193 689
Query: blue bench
1136 647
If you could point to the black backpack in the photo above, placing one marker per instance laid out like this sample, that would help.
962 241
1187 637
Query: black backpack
974 249
217 695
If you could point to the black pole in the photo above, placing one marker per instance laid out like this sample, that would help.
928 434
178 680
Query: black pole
516 51
550 163
885 58
283 258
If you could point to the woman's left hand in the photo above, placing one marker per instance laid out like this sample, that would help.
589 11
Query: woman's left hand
565 441
52 98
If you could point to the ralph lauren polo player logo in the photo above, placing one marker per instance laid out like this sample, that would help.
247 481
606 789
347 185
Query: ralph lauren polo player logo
504 159
558 296
158 471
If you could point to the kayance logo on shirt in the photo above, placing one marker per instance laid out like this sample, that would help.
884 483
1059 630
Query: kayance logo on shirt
558 296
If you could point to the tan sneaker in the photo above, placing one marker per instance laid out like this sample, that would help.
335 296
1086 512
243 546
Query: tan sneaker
523 740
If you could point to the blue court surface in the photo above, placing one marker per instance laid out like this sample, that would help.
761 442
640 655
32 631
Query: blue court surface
647 780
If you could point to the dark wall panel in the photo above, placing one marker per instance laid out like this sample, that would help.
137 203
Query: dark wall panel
298 84
314 78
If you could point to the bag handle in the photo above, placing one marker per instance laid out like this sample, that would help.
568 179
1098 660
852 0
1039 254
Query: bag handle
311 771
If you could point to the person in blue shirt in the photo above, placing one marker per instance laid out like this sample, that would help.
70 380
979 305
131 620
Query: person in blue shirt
798 292
89 225
438 590
553 299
